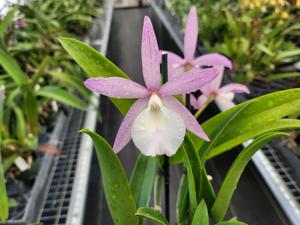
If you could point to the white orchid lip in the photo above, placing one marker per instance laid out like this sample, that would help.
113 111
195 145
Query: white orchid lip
158 130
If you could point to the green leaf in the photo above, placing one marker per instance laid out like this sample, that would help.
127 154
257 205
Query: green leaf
263 115
20 124
218 131
231 223
182 201
277 76
61 95
142 179
116 188
12 68
3 196
40 71
289 53
95 64
201 215
6 21
72 81
31 110
229 184
193 167
153 215
8 162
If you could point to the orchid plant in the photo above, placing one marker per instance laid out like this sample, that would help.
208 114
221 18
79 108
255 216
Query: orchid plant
156 122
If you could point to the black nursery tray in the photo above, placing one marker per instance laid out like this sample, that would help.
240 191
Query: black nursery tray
277 170
28 198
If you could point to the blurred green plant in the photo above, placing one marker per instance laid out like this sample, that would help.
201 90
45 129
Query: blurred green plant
36 73
260 38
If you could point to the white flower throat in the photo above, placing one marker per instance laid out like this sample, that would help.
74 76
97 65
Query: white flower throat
158 130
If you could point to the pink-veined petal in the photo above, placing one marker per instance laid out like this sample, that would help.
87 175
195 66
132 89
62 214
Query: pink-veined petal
191 35
198 103
116 87
190 81
224 103
175 65
212 59
214 85
190 122
124 132
151 56
235 88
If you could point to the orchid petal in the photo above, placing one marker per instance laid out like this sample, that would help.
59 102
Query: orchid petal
158 132
212 59
191 35
175 66
116 87
224 103
214 85
189 120
198 103
151 56
190 81
235 88
123 135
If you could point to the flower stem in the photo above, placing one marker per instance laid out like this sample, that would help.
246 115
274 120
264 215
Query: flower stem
166 169
202 108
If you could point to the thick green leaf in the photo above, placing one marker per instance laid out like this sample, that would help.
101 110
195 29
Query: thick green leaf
182 201
193 167
31 110
263 115
116 188
142 179
95 64
218 132
231 223
61 95
201 215
153 215
12 68
229 184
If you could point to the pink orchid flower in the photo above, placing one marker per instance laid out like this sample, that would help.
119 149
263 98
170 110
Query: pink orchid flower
156 122
177 66
222 96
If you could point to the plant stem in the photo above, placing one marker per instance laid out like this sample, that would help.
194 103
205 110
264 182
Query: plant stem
166 169
202 108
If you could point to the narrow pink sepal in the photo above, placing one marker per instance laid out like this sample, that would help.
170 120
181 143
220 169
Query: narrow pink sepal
190 122
191 35
235 88
175 65
151 56
189 82
212 59
124 132
198 103
116 87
